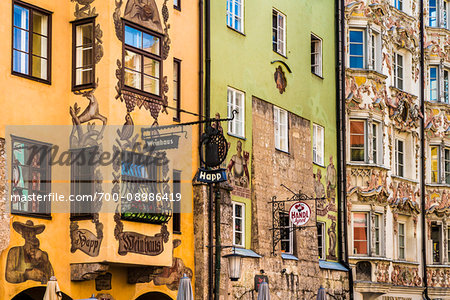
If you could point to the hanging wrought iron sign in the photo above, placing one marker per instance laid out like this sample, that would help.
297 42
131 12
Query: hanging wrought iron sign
299 213
160 141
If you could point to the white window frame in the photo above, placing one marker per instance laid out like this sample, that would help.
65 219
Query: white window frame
442 84
318 144
281 32
441 243
396 153
442 171
236 127
399 4
321 236
242 205
281 128
399 236
233 14
316 55
380 234
368 235
376 145
399 71
364 43
291 233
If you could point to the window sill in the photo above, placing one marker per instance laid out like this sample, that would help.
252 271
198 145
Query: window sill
33 215
235 30
82 218
83 87
141 93
236 136
282 151
319 165
381 258
287 256
246 252
280 54
363 164
177 232
438 266
316 75
31 77
397 261
405 179
437 185
177 8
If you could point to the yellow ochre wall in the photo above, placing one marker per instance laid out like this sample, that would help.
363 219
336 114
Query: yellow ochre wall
27 102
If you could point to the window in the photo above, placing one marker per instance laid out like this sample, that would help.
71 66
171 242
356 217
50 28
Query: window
280 119
318 144
82 181
321 239
316 55
357 140
448 244
177 4
235 14
373 50
357 49
432 13
279 32
401 241
437 76
176 217
238 224
31 42
399 158
360 233
398 4
440 168
435 164
142 61
235 101
177 88
30 178
286 234
83 57
436 240
377 233
398 71
375 142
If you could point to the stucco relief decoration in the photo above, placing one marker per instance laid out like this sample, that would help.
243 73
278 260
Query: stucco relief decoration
406 276
438 277
403 111
382 272
368 184
438 203
146 14
237 171
29 261
280 79
405 198
372 87
168 276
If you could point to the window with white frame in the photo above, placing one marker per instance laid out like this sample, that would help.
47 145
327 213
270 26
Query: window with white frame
398 4
279 32
287 237
357 140
318 144
238 224
235 14
361 148
235 101
440 164
438 13
433 13
321 239
377 233
401 241
356 46
375 142
400 157
438 84
364 49
280 120
360 233
316 55
436 238
398 71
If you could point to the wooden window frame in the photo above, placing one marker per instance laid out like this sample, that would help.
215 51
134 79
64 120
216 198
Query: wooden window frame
316 142
177 117
143 54
404 240
233 15
291 233
277 28
177 7
76 23
47 178
32 8
440 251
241 112
277 125
242 205
364 44
396 155
321 226
399 80
367 227
176 216
317 68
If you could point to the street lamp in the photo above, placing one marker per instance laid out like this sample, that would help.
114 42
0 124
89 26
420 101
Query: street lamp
234 265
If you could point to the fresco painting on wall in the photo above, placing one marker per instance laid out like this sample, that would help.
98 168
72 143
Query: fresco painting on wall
28 262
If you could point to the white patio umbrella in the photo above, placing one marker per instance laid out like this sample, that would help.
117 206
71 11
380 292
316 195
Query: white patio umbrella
52 292
263 291
185 289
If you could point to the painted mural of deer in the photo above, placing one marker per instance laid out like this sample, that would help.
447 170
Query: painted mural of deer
91 112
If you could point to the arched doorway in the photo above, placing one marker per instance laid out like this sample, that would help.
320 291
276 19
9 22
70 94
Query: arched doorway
35 293
153 296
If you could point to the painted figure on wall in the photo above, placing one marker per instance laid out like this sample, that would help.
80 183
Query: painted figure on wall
331 181
28 262
238 167
319 189
332 241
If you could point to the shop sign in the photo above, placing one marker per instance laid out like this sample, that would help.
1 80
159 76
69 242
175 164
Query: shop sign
85 241
211 176
260 279
300 213
164 142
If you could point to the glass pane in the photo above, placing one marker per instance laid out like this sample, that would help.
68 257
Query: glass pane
84 34
40 22
132 61
84 76
21 17
151 43
20 62
356 62
356 49
237 211
356 37
39 45
85 57
151 67
133 37
151 85
133 79
20 39
39 67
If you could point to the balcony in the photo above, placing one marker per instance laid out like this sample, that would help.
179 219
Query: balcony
368 182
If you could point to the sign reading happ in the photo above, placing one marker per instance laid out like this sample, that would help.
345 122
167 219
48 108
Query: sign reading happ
300 213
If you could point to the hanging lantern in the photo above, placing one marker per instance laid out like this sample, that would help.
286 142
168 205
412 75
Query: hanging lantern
234 265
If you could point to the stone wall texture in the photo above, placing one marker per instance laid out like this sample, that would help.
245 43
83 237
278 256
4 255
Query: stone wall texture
4 216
